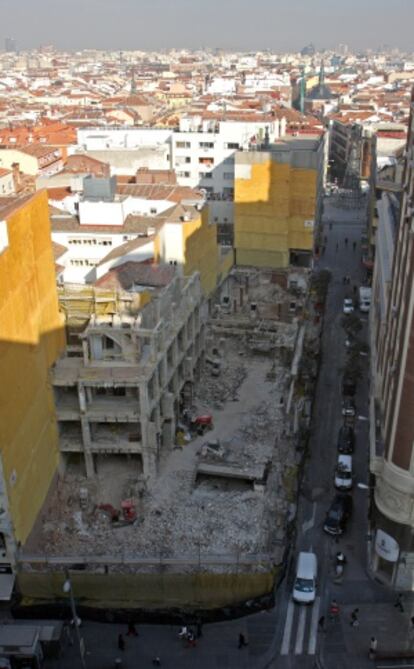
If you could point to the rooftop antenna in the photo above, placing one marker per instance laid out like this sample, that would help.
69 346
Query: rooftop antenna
302 91
133 83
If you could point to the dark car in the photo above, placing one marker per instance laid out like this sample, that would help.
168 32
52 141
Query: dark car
348 387
346 440
338 514
348 407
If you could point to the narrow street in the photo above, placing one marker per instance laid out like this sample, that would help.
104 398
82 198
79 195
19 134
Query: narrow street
300 641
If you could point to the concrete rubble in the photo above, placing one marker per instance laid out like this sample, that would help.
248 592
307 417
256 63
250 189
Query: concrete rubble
180 515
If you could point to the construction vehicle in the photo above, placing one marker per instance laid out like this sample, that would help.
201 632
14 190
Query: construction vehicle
201 424
126 516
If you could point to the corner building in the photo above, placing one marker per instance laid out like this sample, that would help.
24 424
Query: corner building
392 403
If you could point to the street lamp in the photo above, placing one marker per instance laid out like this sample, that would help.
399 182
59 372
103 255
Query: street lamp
67 588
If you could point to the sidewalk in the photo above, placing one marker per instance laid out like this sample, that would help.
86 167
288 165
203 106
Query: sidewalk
217 649
381 620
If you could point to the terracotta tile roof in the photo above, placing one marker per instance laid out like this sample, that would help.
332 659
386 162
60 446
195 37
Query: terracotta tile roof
137 274
58 193
160 192
58 250
4 171
127 247
81 164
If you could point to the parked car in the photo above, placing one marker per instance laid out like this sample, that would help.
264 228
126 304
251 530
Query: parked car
346 440
348 307
348 386
348 407
304 588
338 514
343 473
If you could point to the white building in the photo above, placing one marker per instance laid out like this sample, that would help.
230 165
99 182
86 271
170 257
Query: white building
201 152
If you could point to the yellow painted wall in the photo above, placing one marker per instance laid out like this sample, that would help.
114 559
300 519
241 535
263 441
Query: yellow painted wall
150 591
31 338
269 213
201 251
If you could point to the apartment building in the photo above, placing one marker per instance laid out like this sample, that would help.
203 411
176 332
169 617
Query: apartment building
202 151
33 159
121 395
391 419
278 202
31 339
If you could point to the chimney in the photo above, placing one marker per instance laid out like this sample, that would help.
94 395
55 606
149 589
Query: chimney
16 176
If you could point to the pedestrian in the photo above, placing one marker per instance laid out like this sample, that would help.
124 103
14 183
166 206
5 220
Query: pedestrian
131 629
336 247
199 628
373 648
412 622
183 632
242 640
355 288
399 603
330 226
323 249
121 642
354 245
321 623
354 618
334 610
325 239
191 640
156 661
346 241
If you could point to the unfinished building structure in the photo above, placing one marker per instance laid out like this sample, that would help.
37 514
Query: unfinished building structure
120 391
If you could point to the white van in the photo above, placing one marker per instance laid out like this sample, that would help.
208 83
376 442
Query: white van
343 472
304 589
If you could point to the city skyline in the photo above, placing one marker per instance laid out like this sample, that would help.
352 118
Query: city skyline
234 25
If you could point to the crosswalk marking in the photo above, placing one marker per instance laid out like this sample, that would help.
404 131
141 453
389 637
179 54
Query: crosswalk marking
288 629
314 627
298 620
301 631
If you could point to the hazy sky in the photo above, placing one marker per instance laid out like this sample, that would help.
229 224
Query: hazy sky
233 24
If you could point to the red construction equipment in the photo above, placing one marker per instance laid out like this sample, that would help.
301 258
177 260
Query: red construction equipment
128 511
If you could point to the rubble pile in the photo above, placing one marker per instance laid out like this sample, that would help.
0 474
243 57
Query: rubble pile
180 514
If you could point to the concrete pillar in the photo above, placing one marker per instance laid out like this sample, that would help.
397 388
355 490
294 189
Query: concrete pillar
85 351
150 451
82 398
168 434
87 442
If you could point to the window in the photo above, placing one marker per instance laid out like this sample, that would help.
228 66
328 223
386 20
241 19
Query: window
183 145
183 174
232 145
206 161
205 175
206 145
229 160
153 211
228 176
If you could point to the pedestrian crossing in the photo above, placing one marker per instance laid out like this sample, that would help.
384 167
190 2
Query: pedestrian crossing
301 629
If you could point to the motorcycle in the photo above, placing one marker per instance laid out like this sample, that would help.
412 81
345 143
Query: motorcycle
340 562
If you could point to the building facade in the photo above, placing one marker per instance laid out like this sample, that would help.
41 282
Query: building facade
278 194
392 422
121 394
31 339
